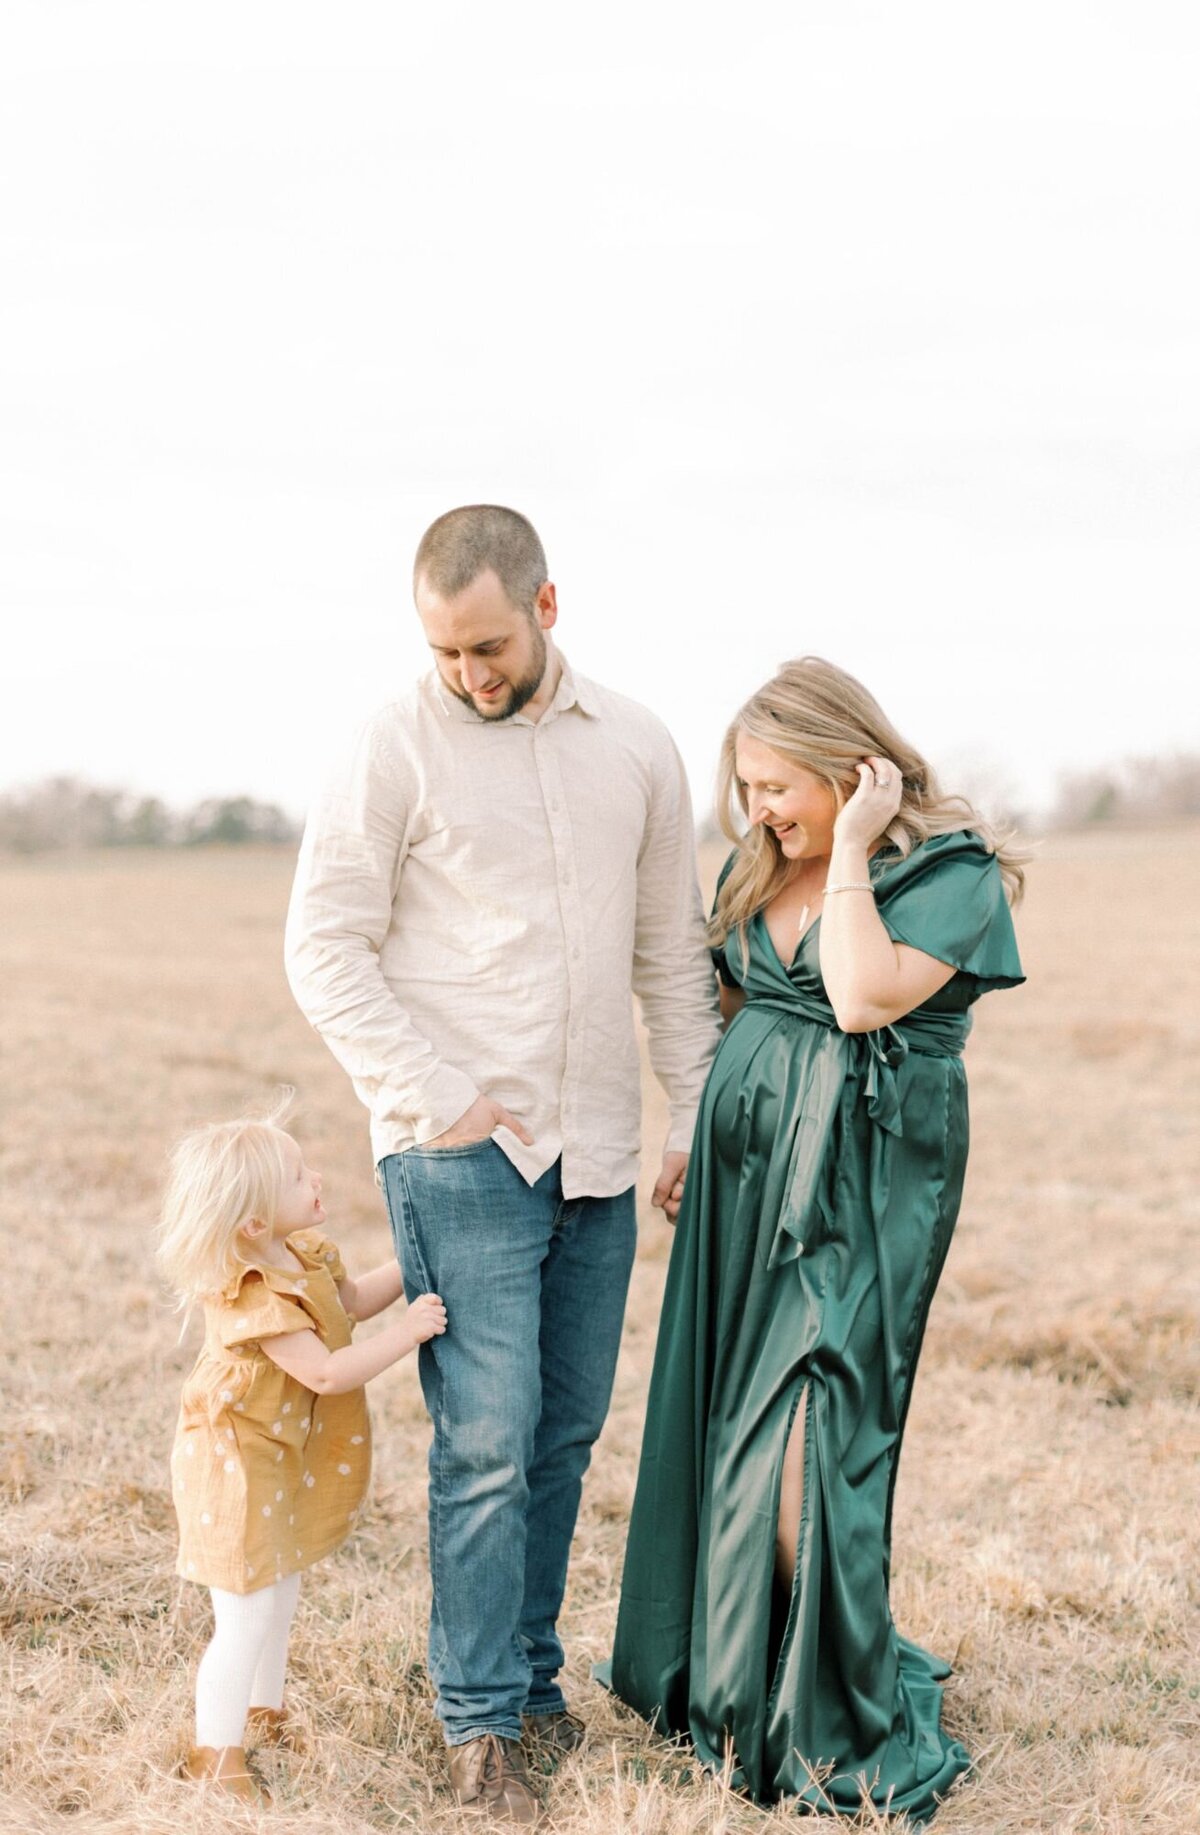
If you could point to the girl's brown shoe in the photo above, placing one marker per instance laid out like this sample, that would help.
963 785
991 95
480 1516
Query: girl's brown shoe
224 1768
274 1727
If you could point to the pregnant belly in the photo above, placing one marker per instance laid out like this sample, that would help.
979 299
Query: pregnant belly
753 1083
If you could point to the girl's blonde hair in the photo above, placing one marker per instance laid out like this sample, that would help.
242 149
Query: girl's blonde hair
816 715
221 1178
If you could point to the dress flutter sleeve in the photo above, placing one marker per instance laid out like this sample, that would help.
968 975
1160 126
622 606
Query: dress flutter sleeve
259 1312
947 899
720 957
320 1251
725 974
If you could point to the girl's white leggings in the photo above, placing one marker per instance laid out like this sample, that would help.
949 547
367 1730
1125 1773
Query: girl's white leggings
244 1665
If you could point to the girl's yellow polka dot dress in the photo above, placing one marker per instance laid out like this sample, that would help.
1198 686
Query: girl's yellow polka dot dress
267 1477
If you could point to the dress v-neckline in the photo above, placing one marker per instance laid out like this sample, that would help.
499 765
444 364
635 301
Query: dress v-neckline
788 966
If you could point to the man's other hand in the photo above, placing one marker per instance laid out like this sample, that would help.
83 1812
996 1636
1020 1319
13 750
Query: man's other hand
668 1193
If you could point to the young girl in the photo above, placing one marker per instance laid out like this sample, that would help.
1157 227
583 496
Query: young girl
272 1451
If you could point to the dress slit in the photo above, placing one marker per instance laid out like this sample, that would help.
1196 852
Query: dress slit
804 1399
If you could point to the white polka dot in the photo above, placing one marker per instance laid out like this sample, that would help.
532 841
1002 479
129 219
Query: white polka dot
309 1480
205 1518
277 1427
266 1509
299 1552
239 1408
279 1497
279 1457
344 1470
320 1427
301 1286
329 1255
304 1424
227 1395
231 1465
249 1573
291 1522
356 1439
189 1450
286 1409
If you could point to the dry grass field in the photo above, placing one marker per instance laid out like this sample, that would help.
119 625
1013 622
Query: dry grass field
1048 1503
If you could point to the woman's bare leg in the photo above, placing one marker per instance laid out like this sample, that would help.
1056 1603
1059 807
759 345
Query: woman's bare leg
791 1500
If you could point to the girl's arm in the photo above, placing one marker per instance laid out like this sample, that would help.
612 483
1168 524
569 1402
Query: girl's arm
328 1372
870 980
370 1293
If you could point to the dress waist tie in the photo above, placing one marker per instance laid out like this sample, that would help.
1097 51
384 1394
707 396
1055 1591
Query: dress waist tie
853 1066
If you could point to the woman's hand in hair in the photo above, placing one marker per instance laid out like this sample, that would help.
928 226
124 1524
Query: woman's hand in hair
864 817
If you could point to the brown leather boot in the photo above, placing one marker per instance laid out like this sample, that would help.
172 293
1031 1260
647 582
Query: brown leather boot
555 1735
274 1727
224 1768
489 1779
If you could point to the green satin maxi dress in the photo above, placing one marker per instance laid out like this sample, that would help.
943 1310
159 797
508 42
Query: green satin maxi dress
822 1191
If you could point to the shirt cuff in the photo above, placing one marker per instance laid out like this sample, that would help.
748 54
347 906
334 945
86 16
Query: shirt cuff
681 1131
444 1098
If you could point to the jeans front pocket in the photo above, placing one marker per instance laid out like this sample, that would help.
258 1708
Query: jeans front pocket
427 1150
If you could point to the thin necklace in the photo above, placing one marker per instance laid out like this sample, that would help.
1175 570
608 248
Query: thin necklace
802 924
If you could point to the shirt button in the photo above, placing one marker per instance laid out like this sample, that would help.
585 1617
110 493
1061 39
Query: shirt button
575 954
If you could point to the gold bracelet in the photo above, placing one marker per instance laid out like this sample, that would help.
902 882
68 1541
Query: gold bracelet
852 885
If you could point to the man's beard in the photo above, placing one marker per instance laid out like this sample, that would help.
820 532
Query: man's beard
520 692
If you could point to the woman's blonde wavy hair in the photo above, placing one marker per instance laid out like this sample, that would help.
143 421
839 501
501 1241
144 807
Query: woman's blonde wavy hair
221 1177
816 715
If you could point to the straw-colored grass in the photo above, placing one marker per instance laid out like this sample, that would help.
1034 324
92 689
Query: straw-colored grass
1047 1514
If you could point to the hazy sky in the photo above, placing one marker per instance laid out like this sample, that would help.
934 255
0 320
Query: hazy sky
869 330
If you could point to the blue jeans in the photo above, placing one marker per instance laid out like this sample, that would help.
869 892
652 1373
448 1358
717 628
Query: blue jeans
518 1388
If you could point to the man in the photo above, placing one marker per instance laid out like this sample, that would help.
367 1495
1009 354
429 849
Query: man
508 856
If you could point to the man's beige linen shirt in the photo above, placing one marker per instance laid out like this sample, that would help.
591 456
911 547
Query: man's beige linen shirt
476 901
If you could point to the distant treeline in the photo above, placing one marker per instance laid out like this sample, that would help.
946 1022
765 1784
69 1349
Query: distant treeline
63 812
1140 789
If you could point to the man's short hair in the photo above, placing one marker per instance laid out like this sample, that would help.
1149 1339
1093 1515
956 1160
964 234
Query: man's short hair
464 543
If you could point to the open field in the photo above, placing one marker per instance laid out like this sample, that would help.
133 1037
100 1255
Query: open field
1050 1493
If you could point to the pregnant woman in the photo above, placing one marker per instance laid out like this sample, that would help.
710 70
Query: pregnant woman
858 919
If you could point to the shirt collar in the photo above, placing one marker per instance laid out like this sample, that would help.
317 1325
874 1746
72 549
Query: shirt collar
572 691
